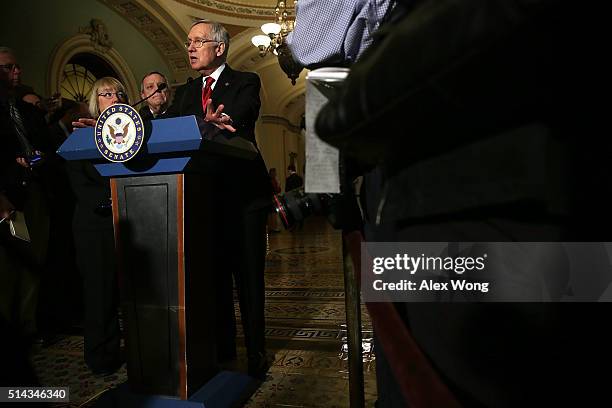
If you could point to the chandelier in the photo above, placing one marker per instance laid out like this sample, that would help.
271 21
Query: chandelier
274 40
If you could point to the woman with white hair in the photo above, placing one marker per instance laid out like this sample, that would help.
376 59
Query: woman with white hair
95 245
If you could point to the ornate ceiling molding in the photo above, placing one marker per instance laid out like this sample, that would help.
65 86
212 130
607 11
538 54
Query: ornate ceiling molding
98 34
156 30
234 9
165 24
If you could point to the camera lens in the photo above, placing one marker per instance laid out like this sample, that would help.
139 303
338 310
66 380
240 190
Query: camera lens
296 205
281 208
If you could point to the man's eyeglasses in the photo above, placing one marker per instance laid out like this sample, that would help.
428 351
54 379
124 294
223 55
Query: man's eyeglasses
199 43
10 67
109 95
153 87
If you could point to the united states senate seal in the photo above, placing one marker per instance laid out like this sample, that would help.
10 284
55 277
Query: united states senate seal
119 133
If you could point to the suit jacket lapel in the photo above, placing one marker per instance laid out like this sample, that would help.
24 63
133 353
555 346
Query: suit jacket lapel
224 83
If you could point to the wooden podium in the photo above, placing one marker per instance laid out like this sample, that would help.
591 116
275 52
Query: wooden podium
163 220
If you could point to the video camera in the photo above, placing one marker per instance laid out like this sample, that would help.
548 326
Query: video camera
342 210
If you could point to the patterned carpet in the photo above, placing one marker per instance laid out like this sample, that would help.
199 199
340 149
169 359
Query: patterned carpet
62 365
304 331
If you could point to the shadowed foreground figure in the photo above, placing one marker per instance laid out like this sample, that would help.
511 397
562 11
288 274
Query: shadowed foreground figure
479 114
23 140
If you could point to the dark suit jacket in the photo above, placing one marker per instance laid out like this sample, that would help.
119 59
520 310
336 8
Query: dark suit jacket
488 125
145 113
293 181
480 123
239 93
12 174
25 188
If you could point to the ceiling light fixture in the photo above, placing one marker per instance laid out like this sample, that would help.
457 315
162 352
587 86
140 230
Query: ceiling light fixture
274 40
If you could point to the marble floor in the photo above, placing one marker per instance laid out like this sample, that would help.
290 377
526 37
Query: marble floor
304 331
305 322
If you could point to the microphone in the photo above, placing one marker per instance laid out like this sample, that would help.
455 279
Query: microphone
160 88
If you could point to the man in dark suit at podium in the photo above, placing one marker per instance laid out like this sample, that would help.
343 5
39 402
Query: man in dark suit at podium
228 102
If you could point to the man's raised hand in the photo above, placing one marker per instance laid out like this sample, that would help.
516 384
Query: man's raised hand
218 118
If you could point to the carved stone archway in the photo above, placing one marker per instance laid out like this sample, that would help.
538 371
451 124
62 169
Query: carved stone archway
83 43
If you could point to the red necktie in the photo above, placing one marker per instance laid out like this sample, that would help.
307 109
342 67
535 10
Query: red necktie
207 92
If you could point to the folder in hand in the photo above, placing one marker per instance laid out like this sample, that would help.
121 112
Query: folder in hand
18 226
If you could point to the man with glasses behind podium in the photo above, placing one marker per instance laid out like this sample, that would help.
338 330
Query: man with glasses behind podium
95 244
227 104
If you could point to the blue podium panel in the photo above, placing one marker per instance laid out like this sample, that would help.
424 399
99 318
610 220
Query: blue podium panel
179 138
166 136
227 389
170 145
174 135
80 145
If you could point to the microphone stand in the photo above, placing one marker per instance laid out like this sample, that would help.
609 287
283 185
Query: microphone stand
160 88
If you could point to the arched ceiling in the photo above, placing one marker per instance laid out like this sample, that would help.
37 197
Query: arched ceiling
166 24
260 10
